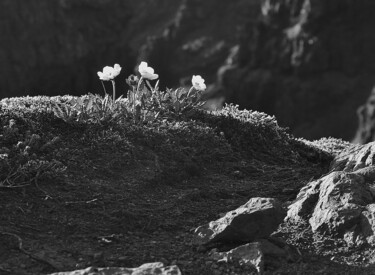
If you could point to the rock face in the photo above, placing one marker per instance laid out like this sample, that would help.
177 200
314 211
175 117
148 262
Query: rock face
366 121
256 219
343 202
145 269
310 63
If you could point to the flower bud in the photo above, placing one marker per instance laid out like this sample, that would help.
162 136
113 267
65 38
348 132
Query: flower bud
132 80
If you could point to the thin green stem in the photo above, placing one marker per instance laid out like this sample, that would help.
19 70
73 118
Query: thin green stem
139 83
114 90
105 91
136 111
190 90
133 99
149 85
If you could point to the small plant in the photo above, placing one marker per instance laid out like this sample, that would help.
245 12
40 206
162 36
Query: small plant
29 172
91 108
109 73
23 156
144 102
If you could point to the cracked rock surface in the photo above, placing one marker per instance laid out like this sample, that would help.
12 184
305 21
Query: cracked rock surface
342 202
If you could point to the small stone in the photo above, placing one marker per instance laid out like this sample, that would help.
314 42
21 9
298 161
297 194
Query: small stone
258 218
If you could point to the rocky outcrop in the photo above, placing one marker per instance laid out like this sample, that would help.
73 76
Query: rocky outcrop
145 269
366 121
310 63
256 219
342 202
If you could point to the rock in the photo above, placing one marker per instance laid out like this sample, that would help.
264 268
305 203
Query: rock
333 203
260 254
305 202
258 218
367 223
145 269
354 158
298 59
366 121
342 203
248 254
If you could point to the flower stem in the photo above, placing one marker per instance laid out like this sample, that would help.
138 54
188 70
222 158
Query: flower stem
190 90
149 85
139 83
114 90
105 91
135 94
133 99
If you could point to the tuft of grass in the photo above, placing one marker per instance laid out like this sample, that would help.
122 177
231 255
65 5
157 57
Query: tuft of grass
330 145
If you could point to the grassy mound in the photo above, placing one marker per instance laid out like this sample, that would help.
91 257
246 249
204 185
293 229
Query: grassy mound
35 143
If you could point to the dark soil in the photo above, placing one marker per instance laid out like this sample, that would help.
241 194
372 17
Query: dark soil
123 218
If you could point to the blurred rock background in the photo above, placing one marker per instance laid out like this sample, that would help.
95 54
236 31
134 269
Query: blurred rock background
309 62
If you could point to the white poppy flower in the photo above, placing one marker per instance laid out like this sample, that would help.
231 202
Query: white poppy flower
116 70
198 83
109 73
147 72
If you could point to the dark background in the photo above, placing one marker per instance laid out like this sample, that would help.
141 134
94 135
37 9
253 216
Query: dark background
311 63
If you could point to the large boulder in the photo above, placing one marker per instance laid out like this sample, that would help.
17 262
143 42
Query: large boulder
309 63
341 203
256 219
332 204
342 199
